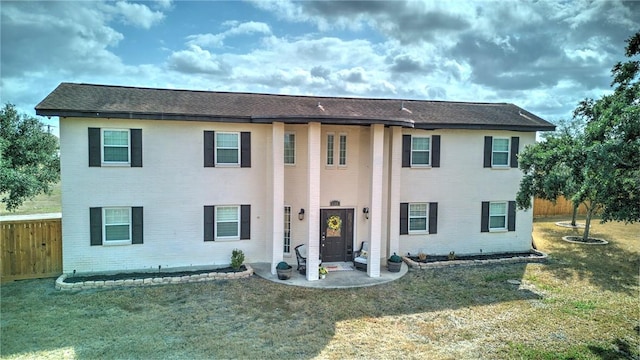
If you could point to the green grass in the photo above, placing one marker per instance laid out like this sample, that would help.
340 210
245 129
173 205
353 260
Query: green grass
569 308
41 204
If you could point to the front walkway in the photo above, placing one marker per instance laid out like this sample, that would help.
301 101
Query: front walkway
334 280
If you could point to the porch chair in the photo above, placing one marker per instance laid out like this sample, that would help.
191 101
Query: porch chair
301 256
361 256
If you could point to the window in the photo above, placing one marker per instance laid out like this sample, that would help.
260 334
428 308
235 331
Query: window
500 152
498 216
287 230
227 222
343 150
227 148
290 148
330 149
117 225
418 217
115 146
420 151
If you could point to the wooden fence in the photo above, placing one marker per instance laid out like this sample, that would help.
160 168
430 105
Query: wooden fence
561 207
30 249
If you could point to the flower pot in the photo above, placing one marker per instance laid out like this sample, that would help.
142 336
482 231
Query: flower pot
284 274
322 276
393 266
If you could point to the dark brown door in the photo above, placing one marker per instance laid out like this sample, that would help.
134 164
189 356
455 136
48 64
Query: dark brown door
336 234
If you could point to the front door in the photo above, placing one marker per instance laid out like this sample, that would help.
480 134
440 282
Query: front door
336 234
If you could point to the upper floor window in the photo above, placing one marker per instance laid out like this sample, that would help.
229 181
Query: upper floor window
420 151
227 148
343 150
330 141
500 152
115 146
289 148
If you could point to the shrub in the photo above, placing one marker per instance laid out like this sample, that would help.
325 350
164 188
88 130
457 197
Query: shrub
237 258
395 258
283 266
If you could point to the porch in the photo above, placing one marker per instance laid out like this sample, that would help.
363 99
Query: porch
334 280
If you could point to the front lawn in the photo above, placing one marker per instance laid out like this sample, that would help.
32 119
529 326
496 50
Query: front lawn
582 304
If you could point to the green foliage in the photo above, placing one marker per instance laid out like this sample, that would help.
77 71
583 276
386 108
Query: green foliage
395 258
29 160
237 258
283 266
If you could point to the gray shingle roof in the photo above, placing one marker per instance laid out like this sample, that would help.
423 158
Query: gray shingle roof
88 100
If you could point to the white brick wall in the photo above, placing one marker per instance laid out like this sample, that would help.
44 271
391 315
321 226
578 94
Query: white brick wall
173 186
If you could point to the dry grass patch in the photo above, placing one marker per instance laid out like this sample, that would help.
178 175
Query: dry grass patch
568 308
40 204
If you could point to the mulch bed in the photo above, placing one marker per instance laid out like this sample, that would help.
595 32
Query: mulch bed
148 275
588 241
437 258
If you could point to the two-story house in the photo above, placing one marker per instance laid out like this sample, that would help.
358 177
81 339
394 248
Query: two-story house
173 178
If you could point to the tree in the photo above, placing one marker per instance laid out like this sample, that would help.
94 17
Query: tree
613 135
29 160
597 165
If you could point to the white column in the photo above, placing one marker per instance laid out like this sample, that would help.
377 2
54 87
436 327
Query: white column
278 194
313 212
395 167
375 213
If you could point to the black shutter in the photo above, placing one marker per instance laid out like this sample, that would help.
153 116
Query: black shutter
95 156
484 223
136 147
245 149
433 218
209 149
511 221
209 225
245 222
406 150
137 232
435 151
95 225
515 144
404 218
488 149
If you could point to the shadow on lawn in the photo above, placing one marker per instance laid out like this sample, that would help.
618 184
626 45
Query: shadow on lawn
249 318
609 267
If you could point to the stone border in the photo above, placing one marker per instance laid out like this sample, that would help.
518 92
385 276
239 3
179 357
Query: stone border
567 224
160 280
601 241
541 257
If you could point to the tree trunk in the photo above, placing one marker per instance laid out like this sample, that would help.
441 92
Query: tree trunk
575 213
587 225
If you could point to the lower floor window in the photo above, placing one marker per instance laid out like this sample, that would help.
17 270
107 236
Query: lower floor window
227 221
287 230
498 216
117 225
418 217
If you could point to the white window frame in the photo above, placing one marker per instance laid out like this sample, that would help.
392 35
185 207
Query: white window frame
293 134
331 149
104 227
428 164
286 240
103 145
505 215
217 146
426 217
216 222
342 150
493 152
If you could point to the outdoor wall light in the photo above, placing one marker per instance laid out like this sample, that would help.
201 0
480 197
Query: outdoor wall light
301 214
365 211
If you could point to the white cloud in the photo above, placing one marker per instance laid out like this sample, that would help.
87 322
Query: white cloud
217 40
197 60
138 14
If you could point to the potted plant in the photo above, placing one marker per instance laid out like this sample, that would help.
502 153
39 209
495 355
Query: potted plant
394 263
284 270
322 272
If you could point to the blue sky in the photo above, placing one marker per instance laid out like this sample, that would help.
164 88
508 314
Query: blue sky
544 56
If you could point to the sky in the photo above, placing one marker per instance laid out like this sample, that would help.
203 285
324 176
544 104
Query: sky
544 56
